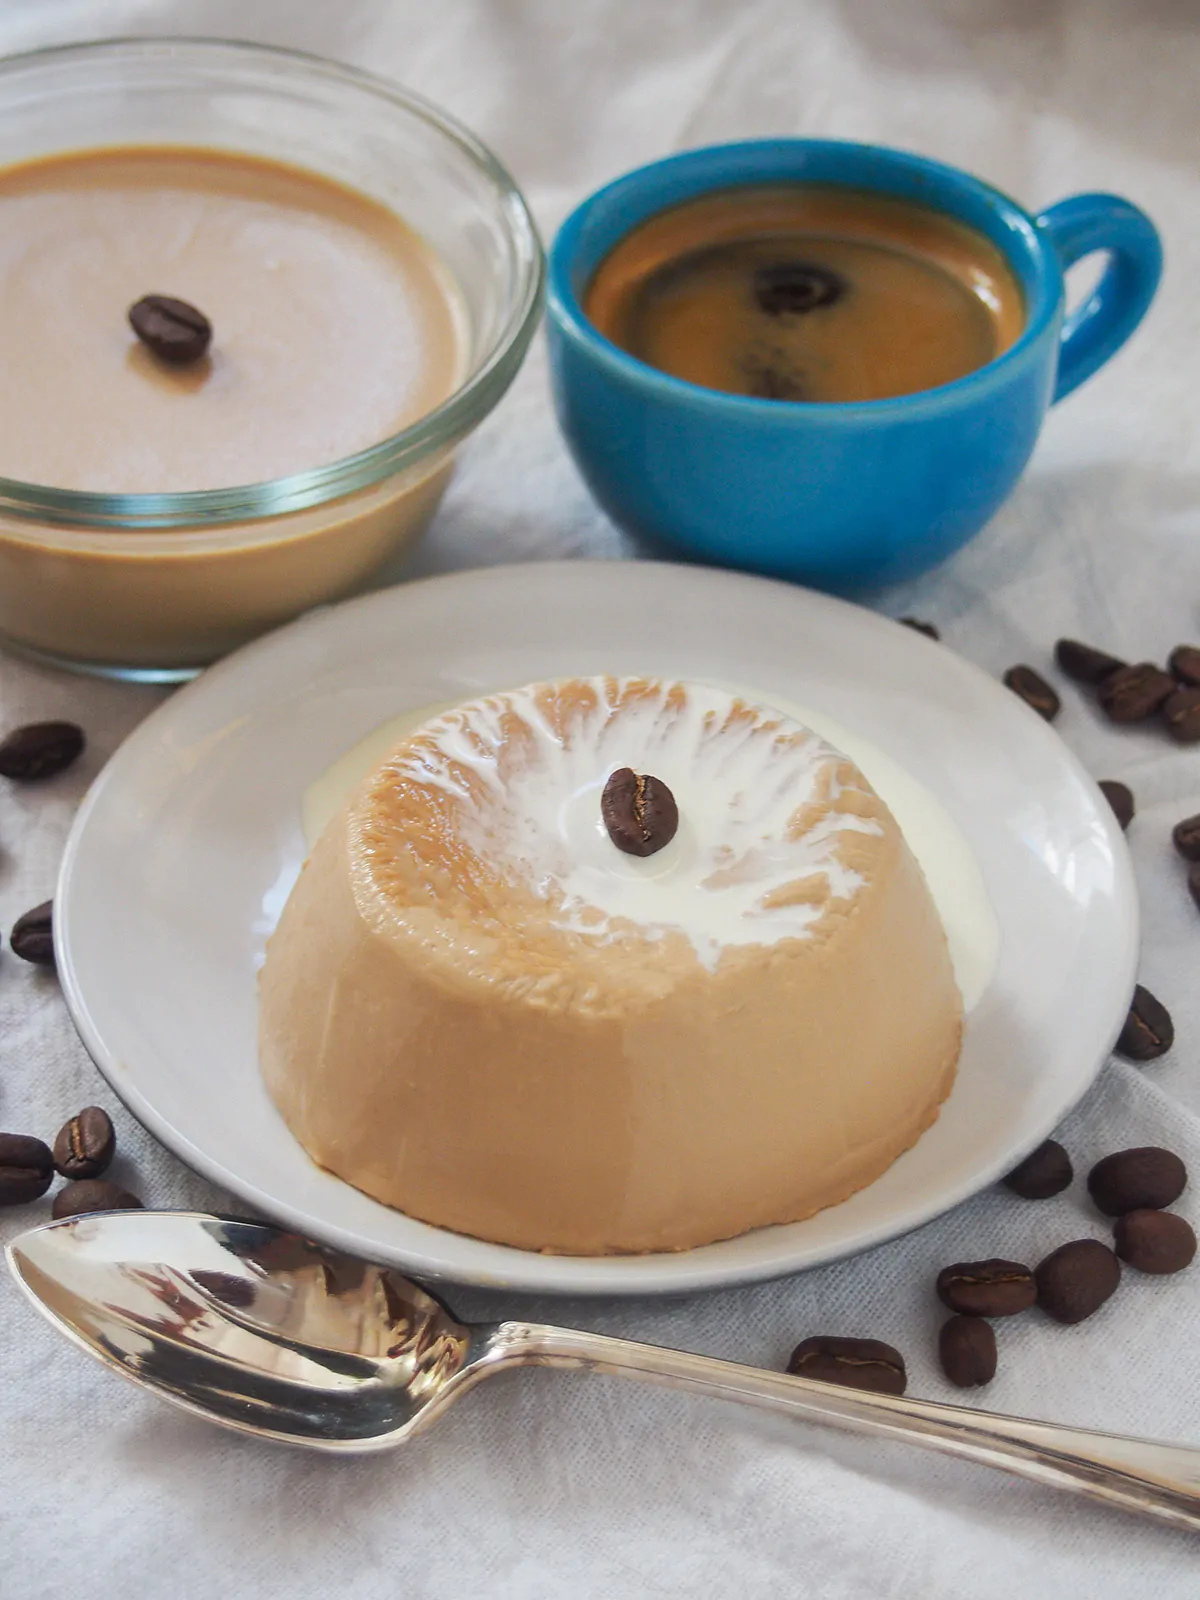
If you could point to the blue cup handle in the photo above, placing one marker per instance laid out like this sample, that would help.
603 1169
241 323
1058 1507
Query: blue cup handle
1100 325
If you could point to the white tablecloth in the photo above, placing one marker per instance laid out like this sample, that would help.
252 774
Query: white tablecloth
545 1485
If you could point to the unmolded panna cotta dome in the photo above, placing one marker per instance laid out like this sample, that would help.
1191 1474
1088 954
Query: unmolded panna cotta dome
480 1011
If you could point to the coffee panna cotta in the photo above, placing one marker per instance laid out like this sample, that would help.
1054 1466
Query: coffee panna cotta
480 1008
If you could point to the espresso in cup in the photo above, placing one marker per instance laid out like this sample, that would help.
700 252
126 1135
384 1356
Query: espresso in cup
807 292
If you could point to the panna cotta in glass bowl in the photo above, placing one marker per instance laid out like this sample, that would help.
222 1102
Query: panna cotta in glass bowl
371 277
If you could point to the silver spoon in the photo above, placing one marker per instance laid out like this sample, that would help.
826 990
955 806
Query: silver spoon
262 1331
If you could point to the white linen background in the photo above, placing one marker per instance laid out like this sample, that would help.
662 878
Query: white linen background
544 1485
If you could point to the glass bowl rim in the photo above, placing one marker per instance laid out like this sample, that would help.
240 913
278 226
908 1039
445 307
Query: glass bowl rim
437 430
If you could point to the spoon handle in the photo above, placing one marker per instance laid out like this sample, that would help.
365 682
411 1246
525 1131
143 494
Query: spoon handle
1161 1480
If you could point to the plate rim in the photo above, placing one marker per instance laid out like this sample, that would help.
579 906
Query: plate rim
583 1275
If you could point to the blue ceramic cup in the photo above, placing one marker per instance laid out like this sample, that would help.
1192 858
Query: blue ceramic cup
846 496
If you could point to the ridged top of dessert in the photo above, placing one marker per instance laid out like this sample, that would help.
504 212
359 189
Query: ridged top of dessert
490 817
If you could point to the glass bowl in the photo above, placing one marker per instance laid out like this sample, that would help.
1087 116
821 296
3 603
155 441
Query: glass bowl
153 586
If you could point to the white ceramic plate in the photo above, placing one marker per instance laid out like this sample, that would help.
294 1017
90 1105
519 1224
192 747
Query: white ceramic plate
185 848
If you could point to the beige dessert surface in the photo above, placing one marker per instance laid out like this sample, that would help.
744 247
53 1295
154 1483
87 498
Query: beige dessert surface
335 326
478 1010
334 323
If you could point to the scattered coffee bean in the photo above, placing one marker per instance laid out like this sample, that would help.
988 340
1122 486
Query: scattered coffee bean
174 330
1137 1180
639 812
1132 694
1181 713
1155 1241
1193 881
1034 690
1186 835
85 1146
92 1194
1120 798
1048 1171
967 1351
32 936
858 1363
1184 664
26 1169
789 288
1085 665
1148 1032
1076 1279
927 628
40 750
992 1288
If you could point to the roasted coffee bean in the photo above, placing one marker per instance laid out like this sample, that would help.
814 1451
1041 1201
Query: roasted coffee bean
40 750
1034 690
1184 664
857 1363
967 1351
994 1288
1181 713
1120 798
1048 1171
1155 1241
1085 665
26 1169
927 628
174 330
1137 1180
86 1144
1186 836
1148 1032
32 936
789 288
1076 1279
92 1194
1132 694
639 812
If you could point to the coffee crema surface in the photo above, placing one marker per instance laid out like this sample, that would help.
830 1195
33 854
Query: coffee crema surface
807 292
478 1010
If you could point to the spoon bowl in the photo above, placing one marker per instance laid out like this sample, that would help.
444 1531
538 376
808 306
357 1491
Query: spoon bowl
251 1327
264 1332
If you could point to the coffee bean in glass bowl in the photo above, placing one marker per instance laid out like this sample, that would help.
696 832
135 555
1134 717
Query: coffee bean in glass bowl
1147 1177
1034 690
86 1144
857 1363
967 1351
1043 1174
1083 663
993 1288
92 1194
1120 798
1132 694
32 936
1075 1280
26 1169
175 330
40 750
1184 664
1155 1241
1148 1031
